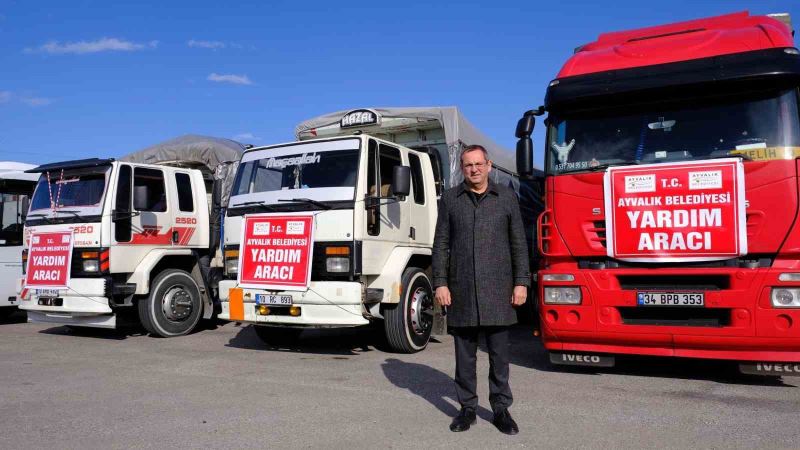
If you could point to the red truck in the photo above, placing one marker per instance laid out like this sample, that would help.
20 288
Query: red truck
671 223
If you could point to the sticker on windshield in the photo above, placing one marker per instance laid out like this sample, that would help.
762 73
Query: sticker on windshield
707 179
281 163
562 151
767 153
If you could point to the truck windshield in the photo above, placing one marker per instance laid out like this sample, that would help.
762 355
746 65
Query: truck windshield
759 127
72 189
322 171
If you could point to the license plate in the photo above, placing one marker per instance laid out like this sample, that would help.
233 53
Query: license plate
267 299
46 292
670 299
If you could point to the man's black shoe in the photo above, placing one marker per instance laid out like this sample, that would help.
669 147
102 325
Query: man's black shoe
463 420
503 421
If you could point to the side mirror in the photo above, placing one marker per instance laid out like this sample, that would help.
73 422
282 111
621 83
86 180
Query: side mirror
401 181
25 204
525 157
140 196
525 125
525 143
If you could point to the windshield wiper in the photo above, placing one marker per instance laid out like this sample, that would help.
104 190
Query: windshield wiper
42 216
260 204
307 200
600 167
74 213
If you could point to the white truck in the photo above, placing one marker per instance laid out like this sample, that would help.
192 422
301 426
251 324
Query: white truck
371 201
16 187
145 236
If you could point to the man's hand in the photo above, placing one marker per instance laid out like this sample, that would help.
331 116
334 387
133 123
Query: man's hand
517 298
443 296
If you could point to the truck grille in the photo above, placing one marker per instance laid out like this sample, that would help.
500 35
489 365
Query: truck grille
676 316
598 232
674 282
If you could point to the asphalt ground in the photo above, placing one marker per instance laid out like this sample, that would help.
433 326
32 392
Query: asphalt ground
222 388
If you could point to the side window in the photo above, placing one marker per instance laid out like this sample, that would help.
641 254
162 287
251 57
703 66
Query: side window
185 199
149 193
122 206
388 158
373 222
417 182
436 164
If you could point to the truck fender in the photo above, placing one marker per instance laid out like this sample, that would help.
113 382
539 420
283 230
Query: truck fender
141 276
392 273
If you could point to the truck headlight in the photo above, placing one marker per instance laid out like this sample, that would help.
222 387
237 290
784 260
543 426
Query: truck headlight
337 264
337 259
562 295
231 261
91 265
786 297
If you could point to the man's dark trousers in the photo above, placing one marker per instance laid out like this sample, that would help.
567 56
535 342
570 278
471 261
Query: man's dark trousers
466 343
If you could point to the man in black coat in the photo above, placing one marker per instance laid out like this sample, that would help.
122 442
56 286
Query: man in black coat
480 273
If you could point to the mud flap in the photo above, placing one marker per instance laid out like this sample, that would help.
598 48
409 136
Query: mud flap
582 359
770 368
439 321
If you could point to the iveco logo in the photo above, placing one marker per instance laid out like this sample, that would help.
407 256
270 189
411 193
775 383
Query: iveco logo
788 368
566 357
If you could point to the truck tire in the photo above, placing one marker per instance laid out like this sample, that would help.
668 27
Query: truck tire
173 307
277 335
408 324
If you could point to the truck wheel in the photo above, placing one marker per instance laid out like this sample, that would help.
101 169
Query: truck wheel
277 335
408 324
173 307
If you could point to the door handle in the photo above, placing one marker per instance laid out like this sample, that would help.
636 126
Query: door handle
412 233
175 236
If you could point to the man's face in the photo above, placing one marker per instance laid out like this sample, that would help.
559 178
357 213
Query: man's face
475 168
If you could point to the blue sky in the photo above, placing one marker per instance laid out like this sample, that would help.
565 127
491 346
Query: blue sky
100 78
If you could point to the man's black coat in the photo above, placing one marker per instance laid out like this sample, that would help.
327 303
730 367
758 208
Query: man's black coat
480 253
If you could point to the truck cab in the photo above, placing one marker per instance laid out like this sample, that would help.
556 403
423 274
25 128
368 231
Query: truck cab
141 243
657 105
368 180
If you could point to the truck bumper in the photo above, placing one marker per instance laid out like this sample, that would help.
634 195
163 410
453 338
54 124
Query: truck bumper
324 304
745 325
83 304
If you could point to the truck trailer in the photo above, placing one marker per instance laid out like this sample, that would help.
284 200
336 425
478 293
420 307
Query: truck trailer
671 216
350 210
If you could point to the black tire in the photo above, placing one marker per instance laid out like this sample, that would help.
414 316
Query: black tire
174 306
408 324
277 335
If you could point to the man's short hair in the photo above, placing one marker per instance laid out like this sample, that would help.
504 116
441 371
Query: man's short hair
472 148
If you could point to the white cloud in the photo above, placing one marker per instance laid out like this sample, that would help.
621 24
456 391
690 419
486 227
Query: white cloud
234 79
36 101
85 47
246 137
213 45
5 96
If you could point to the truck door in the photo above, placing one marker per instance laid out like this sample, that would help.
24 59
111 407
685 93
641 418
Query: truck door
150 220
186 222
387 225
422 201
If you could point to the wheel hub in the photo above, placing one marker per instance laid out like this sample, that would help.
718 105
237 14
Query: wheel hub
177 304
421 311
